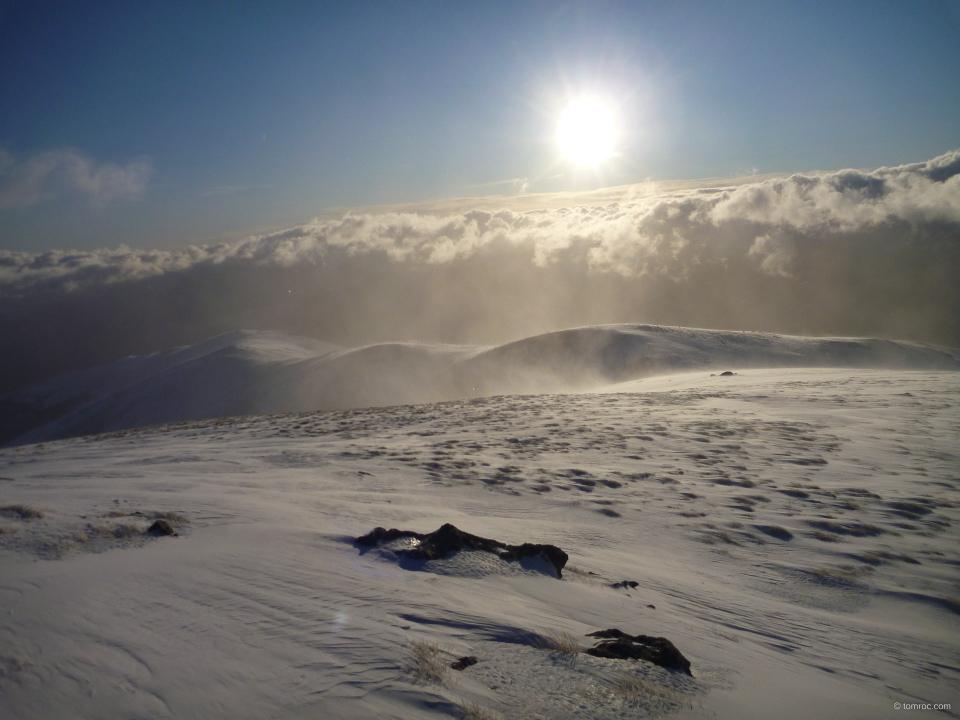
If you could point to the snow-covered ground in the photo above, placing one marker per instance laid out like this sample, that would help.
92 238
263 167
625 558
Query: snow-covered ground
792 531
251 373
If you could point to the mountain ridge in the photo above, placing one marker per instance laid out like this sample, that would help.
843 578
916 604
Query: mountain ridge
249 372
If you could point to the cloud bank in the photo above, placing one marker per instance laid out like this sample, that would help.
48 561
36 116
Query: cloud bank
842 253
65 174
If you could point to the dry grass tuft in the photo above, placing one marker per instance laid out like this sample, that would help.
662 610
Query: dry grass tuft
560 642
475 711
824 536
715 537
857 529
847 573
636 690
7 530
125 531
23 512
121 531
642 695
428 663
174 518
77 537
169 516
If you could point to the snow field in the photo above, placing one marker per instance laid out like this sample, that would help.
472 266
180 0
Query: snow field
794 531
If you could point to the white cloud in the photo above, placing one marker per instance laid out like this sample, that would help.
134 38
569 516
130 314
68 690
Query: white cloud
774 252
658 234
67 173
849 252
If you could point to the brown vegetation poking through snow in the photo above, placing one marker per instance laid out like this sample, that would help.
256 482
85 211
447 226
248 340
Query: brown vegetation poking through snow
428 664
560 642
474 711
22 512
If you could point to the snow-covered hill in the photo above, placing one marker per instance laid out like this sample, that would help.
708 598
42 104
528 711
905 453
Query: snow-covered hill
793 532
249 373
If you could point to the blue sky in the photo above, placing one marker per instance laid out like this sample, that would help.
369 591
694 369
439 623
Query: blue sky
166 123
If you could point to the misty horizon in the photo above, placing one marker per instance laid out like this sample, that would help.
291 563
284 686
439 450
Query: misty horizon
845 253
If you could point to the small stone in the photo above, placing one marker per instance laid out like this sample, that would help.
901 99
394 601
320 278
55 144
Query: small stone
464 662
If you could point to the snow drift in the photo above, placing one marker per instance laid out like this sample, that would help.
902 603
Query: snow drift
794 533
247 373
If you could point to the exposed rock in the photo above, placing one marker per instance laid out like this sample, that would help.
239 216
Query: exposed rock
161 527
464 662
380 535
449 539
727 373
617 645
625 584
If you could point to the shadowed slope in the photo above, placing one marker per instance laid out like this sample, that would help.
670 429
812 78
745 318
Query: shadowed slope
248 372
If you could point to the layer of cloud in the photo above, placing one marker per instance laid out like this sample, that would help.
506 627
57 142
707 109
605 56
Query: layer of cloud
849 252
67 173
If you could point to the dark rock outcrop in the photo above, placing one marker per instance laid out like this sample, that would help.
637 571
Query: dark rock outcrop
161 527
464 662
379 536
449 539
618 645
625 584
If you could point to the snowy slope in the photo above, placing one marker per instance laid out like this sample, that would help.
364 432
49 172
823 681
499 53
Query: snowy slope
245 373
794 532
123 388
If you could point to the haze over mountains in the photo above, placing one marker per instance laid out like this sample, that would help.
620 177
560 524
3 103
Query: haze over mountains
251 372
851 253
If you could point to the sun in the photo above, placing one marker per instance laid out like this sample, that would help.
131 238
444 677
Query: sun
587 131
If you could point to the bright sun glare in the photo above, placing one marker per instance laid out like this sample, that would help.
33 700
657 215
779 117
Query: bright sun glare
587 132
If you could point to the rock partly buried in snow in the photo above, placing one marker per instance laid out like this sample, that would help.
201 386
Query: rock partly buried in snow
450 539
464 662
161 527
617 645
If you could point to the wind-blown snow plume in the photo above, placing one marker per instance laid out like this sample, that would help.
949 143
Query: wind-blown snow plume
848 252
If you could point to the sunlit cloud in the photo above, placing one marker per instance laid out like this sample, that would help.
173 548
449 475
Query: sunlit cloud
66 173
649 234
850 253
